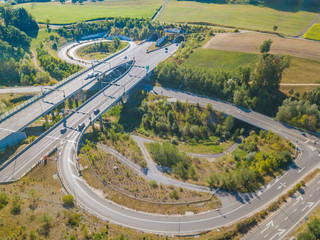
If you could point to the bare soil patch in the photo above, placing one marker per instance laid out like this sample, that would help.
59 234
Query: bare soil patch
250 42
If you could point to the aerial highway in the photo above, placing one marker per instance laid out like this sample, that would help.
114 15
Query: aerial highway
27 115
235 206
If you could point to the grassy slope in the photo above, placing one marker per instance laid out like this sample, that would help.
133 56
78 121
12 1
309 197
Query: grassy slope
313 33
244 16
216 59
59 13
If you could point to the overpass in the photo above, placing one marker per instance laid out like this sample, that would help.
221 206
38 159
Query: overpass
13 122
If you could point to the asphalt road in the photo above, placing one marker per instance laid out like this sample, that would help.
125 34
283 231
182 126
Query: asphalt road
29 114
234 206
280 224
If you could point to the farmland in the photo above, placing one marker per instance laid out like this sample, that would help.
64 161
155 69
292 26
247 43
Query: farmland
242 16
313 33
67 13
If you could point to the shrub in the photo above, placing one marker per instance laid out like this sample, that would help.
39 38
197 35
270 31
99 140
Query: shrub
174 195
16 205
74 219
153 183
68 200
3 200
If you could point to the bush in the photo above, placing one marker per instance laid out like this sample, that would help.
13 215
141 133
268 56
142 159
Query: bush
74 219
16 205
68 200
153 183
174 195
3 200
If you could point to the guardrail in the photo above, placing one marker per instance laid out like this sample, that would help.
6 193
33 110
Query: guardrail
59 84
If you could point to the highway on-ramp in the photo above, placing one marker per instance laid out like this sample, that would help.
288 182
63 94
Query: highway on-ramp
235 206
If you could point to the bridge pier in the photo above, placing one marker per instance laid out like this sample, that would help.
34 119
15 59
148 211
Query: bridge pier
52 115
101 123
82 95
12 139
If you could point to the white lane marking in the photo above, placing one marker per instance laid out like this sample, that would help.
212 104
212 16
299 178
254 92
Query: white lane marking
301 170
281 231
267 226
266 235
295 210
310 195
277 226
282 185
309 205
286 218
276 180
268 186
318 188
298 200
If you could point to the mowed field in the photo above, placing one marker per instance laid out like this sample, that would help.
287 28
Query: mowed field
250 42
301 71
66 13
242 16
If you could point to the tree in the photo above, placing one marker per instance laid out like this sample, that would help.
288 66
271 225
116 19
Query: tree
275 28
314 97
314 227
68 200
46 219
116 42
3 108
265 46
3 200
306 236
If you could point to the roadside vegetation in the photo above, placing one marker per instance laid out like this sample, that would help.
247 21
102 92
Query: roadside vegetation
101 50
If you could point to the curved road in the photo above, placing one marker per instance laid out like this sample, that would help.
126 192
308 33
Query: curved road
234 206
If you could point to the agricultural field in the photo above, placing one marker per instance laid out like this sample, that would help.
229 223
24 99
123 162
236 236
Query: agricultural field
242 16
250 43
313 33
223 60
67 13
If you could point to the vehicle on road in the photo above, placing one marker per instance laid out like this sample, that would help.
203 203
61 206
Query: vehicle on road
125 57
63 130
81 126
96 111
303 134
89 75
166 49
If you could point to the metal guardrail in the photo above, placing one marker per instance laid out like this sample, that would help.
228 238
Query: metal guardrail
59 84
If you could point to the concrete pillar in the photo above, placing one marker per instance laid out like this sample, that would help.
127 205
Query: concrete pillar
82 96
46 117
52 115
101 124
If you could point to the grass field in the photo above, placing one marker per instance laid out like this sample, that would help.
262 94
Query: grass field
66 13
313 33
301 71
243 16
218 59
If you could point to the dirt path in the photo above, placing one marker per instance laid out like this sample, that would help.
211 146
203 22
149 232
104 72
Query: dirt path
251 41
34 60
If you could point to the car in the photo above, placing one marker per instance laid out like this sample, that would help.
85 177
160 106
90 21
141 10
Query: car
125 57
89 75
303 134
95 74
63 130
96 111
166 49
306 218
81 126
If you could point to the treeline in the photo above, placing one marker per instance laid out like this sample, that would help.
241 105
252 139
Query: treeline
168 155
137 29
184 120
250 165
16 66
312 232
105 47
57 68
257 89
